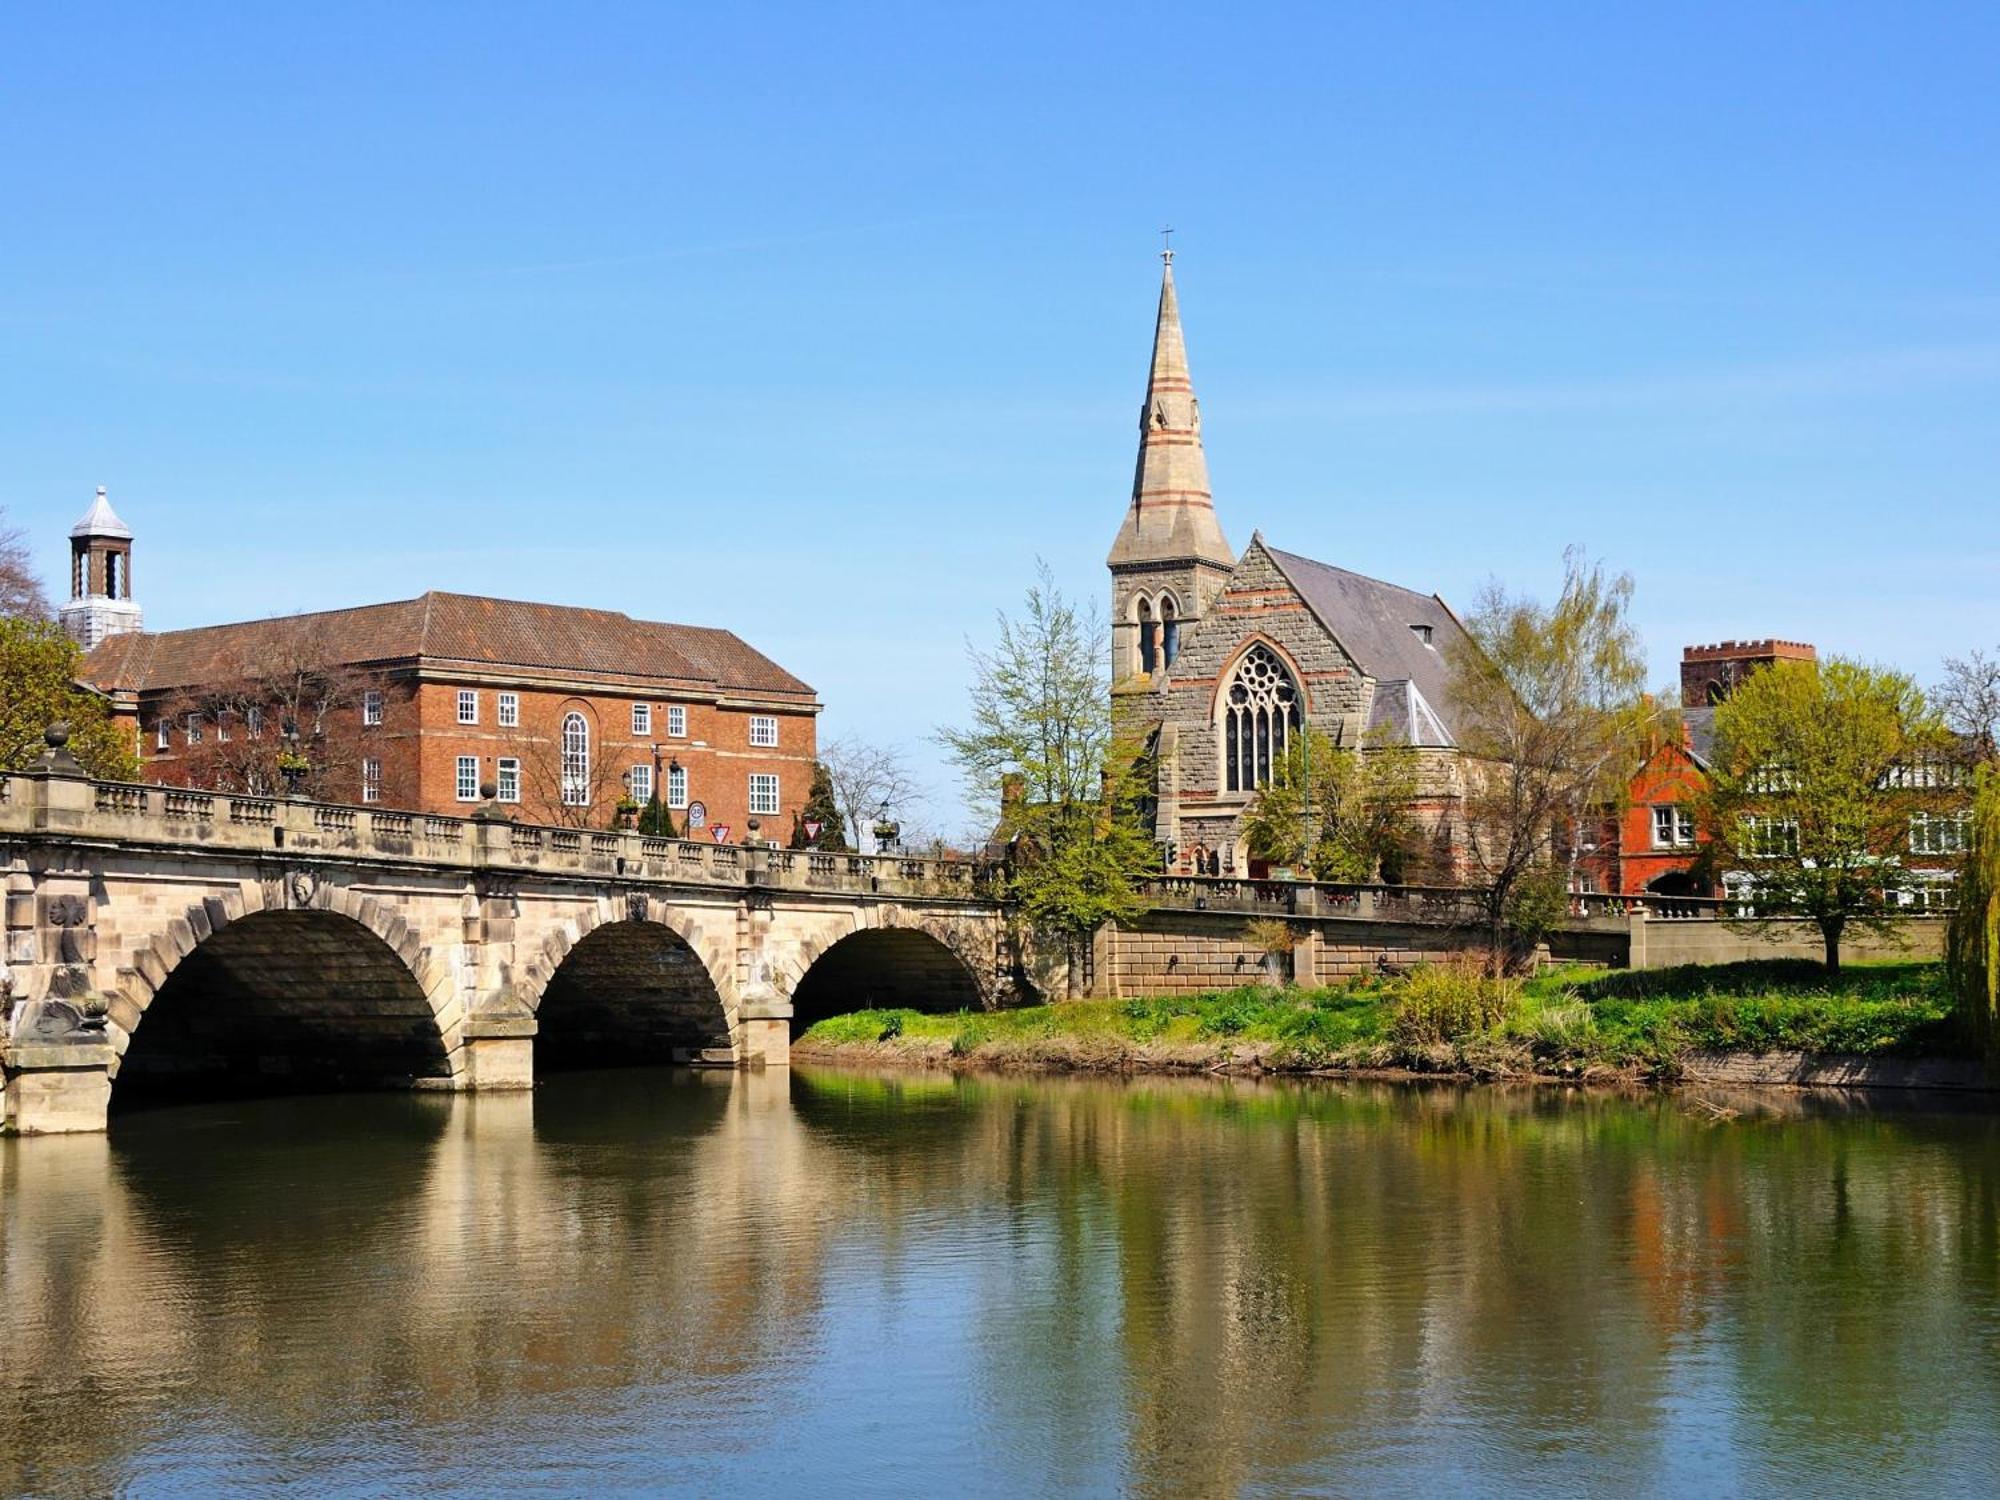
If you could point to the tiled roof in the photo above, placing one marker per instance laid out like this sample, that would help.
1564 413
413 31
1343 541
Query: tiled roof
1374 621
439 628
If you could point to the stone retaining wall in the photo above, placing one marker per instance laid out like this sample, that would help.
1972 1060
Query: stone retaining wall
1181 953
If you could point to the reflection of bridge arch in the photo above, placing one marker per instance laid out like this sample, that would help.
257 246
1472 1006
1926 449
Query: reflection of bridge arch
276 1000
883 968
629 992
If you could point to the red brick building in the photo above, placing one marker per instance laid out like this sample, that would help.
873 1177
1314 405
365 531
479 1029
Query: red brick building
1650 845
565 712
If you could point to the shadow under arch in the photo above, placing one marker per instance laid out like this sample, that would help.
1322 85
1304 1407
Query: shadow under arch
628 994
299 1001
884 968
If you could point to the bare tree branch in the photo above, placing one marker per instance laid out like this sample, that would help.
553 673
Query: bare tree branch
21 595
1969 700
866 777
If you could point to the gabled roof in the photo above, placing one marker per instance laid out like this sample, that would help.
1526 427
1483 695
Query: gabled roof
1383 627
1401 715
451 629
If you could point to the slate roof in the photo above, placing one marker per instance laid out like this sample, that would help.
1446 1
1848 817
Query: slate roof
452 629
1373 621
1701 734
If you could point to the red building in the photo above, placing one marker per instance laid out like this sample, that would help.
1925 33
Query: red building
422 703
1650 845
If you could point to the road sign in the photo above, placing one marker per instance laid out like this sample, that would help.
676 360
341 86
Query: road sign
721 832
814 828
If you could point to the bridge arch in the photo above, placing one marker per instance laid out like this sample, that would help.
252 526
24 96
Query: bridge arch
628 984
291 989
894 966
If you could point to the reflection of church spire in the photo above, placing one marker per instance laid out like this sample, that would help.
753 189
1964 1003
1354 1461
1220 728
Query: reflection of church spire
1172 516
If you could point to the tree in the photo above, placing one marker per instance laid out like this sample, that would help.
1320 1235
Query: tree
865 778
287 717
822 807
656 820
39 687
1553 715
1972 943
590 800
21 596
1353 806
1968 700
1041 711
1818 771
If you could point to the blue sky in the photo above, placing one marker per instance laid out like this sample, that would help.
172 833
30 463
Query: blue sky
823 323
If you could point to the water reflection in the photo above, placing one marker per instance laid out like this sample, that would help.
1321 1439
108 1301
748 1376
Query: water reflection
851 1283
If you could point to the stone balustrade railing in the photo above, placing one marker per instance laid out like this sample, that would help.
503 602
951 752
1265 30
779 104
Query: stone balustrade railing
129 813
1306 898
46 802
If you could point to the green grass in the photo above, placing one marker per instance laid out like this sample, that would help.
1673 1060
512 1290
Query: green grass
1570 1021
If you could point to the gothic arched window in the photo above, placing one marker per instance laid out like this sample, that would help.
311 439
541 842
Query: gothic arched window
1170 631
1260 713
1148 645
575 761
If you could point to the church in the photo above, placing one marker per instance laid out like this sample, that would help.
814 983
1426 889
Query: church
1218 660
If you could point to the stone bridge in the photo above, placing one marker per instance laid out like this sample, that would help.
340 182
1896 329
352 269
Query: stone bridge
161 940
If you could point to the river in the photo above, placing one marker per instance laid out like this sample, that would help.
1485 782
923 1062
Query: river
838 1283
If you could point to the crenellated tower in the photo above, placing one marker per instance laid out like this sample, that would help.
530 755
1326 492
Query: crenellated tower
100 577
1170 557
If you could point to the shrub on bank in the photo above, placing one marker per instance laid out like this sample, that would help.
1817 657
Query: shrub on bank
1448 1002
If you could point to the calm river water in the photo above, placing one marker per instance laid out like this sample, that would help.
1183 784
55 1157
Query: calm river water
842 1284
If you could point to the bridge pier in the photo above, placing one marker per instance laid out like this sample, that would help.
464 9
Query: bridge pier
57 1087
765 1034
499 1052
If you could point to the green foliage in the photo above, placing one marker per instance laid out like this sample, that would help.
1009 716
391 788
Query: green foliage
38 687
1972 945
821 804
1775 1005
1335 814
656 820
1568 1020
1448 1002
1553 715
1041 711
1817 770
1536 905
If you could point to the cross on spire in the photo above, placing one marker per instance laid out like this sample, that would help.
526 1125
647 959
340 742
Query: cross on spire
1167 243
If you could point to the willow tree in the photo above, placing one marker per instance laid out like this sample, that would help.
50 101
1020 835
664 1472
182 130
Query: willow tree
1041 723
1553 715
1819 772
1972 942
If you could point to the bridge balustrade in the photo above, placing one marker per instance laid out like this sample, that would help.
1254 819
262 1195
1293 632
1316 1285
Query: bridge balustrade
141 814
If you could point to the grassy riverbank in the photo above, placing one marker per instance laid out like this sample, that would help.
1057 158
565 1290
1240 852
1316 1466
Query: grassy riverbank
1568 1023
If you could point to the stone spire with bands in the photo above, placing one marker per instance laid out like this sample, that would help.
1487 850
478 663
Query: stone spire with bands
1172 515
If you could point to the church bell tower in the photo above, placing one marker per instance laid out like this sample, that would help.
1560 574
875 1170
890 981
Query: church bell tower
100 577
1170 557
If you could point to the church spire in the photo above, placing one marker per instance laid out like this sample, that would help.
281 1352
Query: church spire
1172 515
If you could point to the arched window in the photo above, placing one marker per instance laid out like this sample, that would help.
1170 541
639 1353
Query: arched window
1148 647
575 761
113 576
1260 713
1170 631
